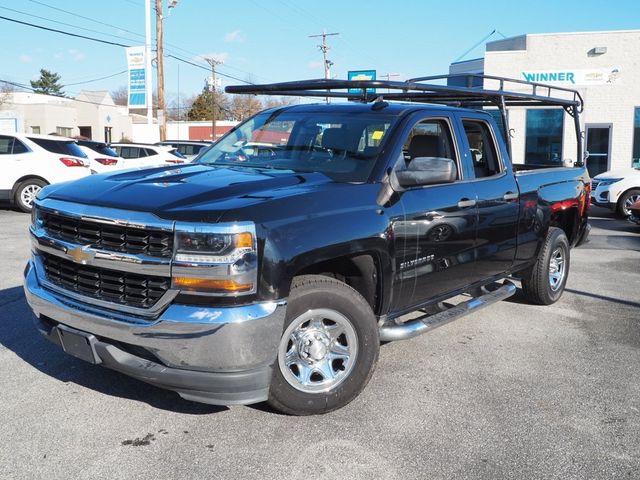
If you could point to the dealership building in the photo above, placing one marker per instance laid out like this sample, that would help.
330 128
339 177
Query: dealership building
603 66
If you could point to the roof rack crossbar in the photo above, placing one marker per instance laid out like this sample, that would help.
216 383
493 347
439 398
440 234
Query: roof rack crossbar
415 90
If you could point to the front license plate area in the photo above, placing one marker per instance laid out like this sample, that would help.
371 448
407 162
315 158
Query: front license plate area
78 344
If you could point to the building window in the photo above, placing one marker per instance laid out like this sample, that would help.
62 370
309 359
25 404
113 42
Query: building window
35 130
544 136
635 161
64 131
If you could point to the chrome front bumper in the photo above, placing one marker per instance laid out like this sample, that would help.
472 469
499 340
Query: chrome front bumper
215 355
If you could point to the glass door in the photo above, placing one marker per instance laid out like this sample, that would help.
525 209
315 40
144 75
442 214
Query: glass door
599 148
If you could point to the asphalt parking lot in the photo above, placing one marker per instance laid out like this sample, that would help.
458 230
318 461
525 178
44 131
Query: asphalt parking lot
513 391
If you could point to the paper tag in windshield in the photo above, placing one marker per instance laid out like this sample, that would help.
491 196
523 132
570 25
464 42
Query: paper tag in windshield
377 135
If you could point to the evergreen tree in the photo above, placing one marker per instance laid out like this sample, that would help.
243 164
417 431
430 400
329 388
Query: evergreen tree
201 106
48 83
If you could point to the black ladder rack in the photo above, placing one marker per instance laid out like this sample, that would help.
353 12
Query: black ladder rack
499 92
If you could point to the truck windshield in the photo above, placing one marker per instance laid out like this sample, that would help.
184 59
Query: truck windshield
343 146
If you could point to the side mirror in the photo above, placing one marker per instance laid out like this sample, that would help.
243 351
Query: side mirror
427 171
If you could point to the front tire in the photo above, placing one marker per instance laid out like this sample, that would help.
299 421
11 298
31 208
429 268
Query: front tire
544 282
625 202
328 350
26 193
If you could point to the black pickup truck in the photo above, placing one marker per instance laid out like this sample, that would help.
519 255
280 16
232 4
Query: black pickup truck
274 266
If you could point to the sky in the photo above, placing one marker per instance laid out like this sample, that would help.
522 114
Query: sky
268 41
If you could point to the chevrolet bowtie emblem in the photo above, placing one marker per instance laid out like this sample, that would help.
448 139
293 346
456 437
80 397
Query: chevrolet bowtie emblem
81 254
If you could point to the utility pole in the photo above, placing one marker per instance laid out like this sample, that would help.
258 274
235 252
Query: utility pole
213 62
388 77
147 55
162 119
324 48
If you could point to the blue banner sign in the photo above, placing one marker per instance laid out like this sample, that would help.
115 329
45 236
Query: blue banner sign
361 75
137 77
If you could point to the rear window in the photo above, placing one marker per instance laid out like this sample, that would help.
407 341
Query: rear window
59 146
101 148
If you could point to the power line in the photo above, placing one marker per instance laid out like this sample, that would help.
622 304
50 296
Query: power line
71 99
63 23
85 18
96 79
63 32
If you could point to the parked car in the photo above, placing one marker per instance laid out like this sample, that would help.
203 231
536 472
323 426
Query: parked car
140 155
102 158
188 148
616 190
30 162
241 278
635 213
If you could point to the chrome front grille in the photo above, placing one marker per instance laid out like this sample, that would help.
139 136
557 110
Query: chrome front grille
124 288
116 238
594 185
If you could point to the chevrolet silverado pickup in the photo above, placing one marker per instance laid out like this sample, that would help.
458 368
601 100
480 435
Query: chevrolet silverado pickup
274 274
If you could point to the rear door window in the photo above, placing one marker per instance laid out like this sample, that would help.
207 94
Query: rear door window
6 145
129 152
482 148
59 147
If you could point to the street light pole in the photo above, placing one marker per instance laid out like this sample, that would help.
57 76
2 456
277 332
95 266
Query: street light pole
213 62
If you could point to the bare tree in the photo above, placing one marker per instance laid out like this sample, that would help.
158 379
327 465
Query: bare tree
6 89
271 102
120 95
244 106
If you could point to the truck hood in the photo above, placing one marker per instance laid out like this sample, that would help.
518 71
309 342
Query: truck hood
186 192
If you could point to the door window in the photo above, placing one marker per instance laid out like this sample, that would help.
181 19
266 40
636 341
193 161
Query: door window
429 138
482 148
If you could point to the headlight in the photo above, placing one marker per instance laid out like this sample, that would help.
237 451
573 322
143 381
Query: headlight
215 259
36 217
608 181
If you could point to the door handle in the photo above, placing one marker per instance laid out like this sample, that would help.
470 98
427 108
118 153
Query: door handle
466 203
510 196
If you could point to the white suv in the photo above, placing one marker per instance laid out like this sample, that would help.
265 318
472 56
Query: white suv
140 155
616 189
101 158
29 162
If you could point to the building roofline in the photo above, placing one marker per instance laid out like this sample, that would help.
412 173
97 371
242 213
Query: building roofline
467 61
596 32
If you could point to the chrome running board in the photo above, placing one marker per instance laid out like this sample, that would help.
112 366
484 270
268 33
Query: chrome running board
413 328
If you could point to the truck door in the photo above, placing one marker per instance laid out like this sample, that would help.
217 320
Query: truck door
497 196
435 239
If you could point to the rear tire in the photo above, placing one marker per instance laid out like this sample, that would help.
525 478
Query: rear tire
26 193
328 350
544 282
626 200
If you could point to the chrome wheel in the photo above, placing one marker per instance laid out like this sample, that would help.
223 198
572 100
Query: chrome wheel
630 200
556 268
28 194
318 351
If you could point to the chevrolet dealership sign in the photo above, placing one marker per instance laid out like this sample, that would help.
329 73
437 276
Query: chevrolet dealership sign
575 77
